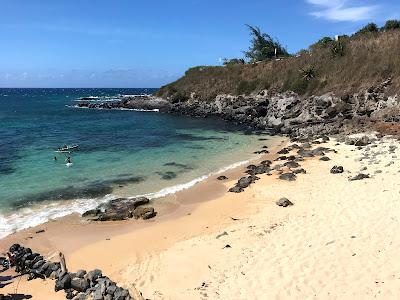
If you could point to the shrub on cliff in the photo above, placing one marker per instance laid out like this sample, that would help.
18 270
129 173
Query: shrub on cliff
371 27
263 46
391 25
233 61
325 42
357 62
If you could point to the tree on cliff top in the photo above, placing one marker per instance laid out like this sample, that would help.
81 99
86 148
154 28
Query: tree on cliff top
263 46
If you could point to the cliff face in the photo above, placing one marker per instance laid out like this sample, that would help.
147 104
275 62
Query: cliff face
291 114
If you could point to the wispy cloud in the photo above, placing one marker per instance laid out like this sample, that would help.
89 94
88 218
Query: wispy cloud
342 10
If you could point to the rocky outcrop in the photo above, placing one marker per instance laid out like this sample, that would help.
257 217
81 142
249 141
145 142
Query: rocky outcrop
130 102
289 113
78 286
121 209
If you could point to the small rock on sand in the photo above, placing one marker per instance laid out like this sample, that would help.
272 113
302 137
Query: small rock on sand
288 176
284 202
359 177
337 170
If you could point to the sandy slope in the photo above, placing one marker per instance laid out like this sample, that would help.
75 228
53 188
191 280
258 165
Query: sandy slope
340 240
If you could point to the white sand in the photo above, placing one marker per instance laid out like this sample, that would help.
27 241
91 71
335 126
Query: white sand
340 240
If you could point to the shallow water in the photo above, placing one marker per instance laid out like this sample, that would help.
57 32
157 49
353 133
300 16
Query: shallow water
121 153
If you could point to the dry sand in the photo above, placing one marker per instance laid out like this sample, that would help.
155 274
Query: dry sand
340 240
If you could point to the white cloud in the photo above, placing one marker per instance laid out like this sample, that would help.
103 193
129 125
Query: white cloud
342 10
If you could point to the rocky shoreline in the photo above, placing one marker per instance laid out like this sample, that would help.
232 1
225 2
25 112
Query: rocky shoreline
281 113
288 113
141 102
78 286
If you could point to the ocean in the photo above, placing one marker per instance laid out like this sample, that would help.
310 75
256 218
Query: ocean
121 153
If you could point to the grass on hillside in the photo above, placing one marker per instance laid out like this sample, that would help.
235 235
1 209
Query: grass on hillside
361 61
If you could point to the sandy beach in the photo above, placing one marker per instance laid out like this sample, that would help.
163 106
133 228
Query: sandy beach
338 241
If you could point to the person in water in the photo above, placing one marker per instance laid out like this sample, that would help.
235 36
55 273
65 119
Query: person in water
69 160
55 158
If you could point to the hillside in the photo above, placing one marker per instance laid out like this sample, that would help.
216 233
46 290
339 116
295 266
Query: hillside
348 66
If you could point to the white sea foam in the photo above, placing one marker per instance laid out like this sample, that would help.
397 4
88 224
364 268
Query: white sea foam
99 108
33 216
36 215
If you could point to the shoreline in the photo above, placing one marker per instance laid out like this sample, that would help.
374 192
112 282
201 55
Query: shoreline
163 200
208 243
49 211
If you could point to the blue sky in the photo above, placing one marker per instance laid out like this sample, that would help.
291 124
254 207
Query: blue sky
134 43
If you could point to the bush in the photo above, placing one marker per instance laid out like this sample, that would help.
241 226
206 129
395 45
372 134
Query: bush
391 25
322 43
371 27
299 85
247 87
308 73
263 46
337 48
233 61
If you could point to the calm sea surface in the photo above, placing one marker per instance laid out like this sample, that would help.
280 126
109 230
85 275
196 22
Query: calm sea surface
121 153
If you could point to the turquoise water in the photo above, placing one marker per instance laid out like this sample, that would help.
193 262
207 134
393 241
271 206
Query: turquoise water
121 153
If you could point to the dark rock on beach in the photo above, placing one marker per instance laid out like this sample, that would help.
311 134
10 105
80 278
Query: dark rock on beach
222 177
121 209
288 176
360 176
284 202
337 170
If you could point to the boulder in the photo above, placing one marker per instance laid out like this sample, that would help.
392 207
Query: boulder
291 164
236 189
288 176
80 273
299 171
144 213
284 202
80 284
222 177
337 170
359 177
92 276
244 182
325 158
63 282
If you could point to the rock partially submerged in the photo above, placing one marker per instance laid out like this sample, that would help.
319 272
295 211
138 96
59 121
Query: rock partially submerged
121 209
139 102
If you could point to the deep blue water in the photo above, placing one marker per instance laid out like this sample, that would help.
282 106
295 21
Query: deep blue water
123 153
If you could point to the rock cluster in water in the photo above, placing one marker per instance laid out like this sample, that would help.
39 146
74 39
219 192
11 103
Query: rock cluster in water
121 209
129 102
78 286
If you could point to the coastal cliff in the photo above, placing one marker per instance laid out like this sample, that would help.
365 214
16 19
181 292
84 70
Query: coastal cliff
337 86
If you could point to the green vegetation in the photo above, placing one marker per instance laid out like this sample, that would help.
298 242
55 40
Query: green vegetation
263 46
345 65
371 27
233 61
391 25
